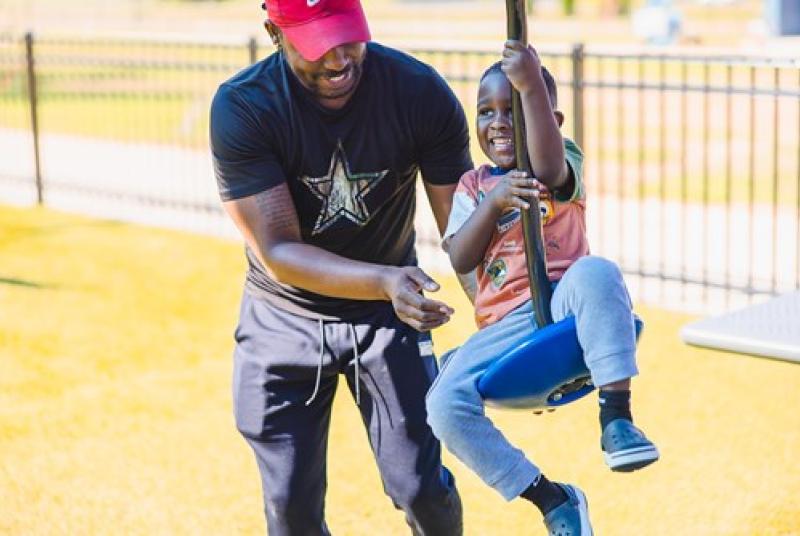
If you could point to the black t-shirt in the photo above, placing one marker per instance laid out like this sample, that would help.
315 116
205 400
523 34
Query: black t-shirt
351 172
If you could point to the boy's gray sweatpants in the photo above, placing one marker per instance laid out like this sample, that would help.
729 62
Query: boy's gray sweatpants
593 291
286 369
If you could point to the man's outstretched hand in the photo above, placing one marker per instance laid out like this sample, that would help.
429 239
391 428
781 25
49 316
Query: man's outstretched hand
403 286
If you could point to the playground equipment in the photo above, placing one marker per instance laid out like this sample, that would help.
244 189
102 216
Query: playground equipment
769 329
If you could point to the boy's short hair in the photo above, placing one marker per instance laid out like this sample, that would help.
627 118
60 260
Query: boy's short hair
549 81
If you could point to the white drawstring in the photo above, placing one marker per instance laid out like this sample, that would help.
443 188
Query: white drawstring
357 360
319 367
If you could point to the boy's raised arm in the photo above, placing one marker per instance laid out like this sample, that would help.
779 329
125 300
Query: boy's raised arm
523 68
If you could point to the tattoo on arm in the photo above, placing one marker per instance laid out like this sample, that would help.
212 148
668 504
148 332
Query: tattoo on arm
277 209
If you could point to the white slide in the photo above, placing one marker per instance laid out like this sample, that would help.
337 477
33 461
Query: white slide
769 329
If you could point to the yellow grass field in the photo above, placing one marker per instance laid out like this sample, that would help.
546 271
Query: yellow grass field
115 410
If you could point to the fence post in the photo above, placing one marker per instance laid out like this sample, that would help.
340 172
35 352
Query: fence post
252 47
577 93
34 106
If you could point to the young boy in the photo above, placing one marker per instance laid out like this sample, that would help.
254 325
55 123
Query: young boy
484 232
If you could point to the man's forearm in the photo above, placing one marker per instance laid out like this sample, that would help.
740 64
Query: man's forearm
270 227
312 268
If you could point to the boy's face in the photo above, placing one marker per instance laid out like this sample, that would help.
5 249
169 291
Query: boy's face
494 128
494 125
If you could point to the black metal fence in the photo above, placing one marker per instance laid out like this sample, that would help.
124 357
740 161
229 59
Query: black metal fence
692 161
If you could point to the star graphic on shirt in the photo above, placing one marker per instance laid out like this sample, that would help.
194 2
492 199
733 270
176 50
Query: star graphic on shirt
342 192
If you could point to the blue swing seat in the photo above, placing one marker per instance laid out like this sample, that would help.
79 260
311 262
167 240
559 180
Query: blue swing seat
543 372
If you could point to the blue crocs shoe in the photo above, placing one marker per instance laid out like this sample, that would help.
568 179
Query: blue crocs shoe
625 447
570 518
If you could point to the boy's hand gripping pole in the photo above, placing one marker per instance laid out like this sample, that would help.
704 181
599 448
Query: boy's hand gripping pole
535 255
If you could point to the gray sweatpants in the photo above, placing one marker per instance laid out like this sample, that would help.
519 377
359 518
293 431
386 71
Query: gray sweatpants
286 369
593 291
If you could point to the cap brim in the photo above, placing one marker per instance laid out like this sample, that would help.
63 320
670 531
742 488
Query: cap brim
314 38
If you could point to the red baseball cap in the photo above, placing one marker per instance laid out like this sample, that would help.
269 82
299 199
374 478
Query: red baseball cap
314 27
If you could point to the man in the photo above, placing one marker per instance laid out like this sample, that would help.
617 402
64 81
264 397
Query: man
316 151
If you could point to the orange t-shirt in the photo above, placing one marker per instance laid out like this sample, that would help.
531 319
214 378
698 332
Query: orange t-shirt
503 274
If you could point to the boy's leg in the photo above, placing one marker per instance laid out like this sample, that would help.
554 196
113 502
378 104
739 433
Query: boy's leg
396 367
456 409
275 367
456 413
593 291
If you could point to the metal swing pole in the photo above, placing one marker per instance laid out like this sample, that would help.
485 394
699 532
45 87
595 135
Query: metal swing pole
535 256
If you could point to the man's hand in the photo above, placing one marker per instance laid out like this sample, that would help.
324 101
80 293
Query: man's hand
403 287
521 65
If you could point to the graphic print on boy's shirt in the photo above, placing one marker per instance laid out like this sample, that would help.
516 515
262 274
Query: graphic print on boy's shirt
497 268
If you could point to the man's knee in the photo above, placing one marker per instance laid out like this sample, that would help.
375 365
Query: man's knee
293 485
432 509
284 508
293 514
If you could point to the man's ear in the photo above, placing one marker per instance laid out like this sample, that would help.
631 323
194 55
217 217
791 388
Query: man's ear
274 33
559 118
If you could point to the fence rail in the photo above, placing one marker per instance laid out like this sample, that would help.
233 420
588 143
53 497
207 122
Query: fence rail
693 161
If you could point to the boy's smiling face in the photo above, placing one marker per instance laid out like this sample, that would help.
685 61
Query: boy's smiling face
494 127
494 124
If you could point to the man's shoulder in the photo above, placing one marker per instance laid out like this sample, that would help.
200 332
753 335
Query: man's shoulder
255 81
392 58
256 93
415 75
